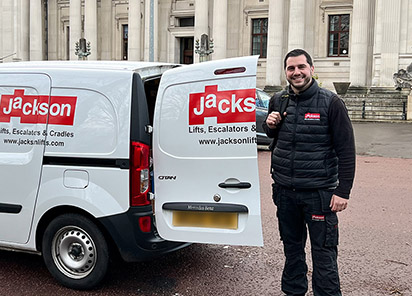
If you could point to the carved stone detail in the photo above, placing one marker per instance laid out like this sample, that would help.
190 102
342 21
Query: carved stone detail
403 78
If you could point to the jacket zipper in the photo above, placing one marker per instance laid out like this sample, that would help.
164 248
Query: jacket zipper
292 164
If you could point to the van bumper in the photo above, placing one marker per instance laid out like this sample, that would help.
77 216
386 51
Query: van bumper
133 244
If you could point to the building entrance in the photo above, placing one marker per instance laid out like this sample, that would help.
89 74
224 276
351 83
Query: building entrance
186 50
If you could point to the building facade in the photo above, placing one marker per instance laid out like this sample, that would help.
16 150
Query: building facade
363 42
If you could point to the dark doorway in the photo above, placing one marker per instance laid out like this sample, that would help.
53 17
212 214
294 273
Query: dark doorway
186 50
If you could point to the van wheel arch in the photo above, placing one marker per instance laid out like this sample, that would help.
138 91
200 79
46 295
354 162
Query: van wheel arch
55 212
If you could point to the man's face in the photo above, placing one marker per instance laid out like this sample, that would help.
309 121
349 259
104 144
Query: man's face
298 73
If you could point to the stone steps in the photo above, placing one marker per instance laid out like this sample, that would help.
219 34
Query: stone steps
377 105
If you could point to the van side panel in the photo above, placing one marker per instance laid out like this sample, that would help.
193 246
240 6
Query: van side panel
23 113
89 167
100 191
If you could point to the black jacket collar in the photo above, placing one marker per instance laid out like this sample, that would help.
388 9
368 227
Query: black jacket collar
307 93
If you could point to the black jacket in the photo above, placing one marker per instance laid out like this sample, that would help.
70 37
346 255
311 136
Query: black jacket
314 145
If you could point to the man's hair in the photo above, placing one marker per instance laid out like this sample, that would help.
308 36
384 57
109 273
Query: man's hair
296 53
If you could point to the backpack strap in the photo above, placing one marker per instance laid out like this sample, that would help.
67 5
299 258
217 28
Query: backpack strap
284 102
280 104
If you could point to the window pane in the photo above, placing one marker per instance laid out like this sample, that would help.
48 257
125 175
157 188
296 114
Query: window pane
256 27
334 23
256 45
336 45
125 31
345 22
344 44
264 47
265 26
333 44
186 21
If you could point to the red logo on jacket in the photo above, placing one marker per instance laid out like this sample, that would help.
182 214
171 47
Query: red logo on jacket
312 116
35 108
227 106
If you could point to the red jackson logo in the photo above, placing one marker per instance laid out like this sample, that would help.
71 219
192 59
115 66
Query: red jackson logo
34 108
312 116
318 217
227 106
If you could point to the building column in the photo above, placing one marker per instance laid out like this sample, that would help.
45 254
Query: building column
151 34
25 30
21 34
7 31
90 27
391 16
75 26
274 60
297 28
201 22
311 34
219 29
16 14
359 43
36 30
135 28
105 30
53 31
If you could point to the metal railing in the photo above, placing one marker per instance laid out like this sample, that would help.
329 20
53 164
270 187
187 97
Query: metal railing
403 116
404 111
363 109
7 56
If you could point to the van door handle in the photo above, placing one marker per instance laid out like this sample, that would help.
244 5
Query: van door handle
239 185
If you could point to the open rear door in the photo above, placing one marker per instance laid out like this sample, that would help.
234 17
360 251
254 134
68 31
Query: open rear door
205 156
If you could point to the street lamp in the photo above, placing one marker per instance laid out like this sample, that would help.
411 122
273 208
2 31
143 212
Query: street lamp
82 49
205 48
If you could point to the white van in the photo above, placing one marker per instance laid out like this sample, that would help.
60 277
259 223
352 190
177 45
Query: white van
86 148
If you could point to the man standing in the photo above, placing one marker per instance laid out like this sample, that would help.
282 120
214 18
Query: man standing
313 167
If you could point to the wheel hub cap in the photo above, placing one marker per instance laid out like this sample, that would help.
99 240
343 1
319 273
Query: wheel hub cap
74 252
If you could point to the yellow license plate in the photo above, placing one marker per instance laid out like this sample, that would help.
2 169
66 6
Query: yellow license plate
222 220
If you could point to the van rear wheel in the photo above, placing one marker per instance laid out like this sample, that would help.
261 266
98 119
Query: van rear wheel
75 251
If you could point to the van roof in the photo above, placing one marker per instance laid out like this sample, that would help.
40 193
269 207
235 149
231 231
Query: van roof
145 68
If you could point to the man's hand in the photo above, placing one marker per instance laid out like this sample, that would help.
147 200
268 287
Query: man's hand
338 204
273 119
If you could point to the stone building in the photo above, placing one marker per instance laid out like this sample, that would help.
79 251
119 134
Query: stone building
363 42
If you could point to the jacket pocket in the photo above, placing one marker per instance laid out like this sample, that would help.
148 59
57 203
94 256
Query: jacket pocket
332 230
275 194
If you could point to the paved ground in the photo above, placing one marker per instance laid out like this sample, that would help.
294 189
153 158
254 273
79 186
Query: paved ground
384 139
375 253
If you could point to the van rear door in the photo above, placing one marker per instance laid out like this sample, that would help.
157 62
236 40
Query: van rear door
205 155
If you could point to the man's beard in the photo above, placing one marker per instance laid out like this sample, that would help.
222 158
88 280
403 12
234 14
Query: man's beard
301 85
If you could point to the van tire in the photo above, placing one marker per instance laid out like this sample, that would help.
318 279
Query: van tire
75 251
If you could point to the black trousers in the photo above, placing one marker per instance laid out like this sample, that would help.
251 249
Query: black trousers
297 211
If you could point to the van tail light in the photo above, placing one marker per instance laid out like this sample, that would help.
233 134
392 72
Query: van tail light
139 174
